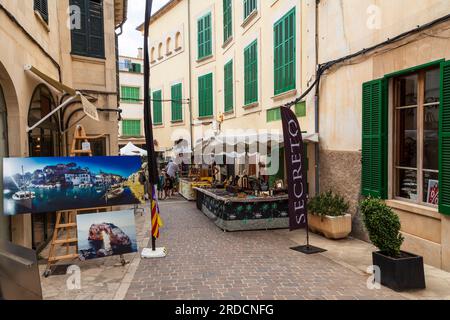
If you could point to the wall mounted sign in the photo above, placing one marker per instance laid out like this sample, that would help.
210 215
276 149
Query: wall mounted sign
39 185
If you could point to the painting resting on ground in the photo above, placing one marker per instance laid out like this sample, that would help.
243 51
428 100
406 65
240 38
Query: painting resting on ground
106 234
39 185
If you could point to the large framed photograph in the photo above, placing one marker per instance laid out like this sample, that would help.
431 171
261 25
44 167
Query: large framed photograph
40 185
106 234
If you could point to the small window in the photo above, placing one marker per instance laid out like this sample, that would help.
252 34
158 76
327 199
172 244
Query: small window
152 55
130 94
416 127
41 6
178 41
228 87
249 7
160 51
131 128
157 108
227 20
251 73
169 46
205 95
204 36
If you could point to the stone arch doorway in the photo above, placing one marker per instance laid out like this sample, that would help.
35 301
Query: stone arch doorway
5 223
44 141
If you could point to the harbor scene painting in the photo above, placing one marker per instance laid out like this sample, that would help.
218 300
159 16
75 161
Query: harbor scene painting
106 234
40 185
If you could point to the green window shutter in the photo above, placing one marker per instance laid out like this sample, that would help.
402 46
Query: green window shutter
273 115
227 20
374 139
130 94
251 73
41 6
284 53
177 106
204 36
157 107
228 87
89 39
135 67
205 95
131 128
249 7
444 140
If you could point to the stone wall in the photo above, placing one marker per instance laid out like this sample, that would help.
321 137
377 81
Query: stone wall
340 172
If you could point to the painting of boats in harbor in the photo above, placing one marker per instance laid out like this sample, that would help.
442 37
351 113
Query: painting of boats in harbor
106 234
40 185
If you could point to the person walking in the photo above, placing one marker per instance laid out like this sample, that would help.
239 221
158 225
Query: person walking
172 169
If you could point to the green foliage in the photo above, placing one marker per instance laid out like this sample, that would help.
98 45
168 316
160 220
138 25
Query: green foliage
328 204
383 226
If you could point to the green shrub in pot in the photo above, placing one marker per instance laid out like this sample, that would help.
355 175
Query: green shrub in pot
328 204
383 226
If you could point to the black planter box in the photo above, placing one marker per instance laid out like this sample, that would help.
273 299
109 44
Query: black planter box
400 274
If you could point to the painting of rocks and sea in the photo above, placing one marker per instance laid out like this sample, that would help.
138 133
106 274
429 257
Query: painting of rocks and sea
40 185
106 234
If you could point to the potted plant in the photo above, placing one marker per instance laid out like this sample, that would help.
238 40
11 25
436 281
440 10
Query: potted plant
399 270
327 214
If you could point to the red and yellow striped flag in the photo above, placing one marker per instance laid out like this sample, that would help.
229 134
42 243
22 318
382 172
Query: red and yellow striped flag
157 222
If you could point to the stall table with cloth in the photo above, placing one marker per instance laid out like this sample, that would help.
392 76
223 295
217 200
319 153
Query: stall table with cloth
187 186
233 213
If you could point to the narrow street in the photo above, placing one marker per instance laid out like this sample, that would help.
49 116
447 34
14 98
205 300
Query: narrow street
204 262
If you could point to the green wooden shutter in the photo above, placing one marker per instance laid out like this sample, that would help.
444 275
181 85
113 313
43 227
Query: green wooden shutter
204 36
177 106
444 140
374 139
205 95
130 94
249 7
227 20
284 53
228 87
131 128
89 40
157 107
251 73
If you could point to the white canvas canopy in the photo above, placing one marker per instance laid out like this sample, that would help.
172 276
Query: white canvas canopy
131 150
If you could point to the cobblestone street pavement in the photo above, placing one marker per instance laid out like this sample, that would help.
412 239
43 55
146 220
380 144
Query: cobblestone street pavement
204 262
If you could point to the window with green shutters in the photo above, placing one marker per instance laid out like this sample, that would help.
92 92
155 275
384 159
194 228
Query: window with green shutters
131 128
89 40
177 106
41 6
157 108
374 139
204 36
228 87
249 7
284 53
205 95
130 94
227 20
251 73
444 140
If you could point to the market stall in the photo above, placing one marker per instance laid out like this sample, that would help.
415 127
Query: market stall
242 211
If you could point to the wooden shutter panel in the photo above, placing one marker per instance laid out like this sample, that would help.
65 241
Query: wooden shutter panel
79 36
42 7
444 140
374 139
157 107
96 29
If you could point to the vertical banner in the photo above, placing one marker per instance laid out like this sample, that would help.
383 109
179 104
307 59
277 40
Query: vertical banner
296 170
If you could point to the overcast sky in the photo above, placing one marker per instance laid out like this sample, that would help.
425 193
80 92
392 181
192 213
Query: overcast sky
131 39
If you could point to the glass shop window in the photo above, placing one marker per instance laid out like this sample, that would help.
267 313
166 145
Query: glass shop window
416 126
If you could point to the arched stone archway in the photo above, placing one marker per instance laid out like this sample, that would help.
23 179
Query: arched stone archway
8 105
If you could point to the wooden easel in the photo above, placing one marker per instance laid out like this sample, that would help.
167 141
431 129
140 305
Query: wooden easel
66 221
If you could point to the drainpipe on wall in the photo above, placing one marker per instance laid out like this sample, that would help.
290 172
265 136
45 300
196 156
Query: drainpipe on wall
191 118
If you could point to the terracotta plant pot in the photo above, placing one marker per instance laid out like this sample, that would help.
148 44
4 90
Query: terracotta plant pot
331 227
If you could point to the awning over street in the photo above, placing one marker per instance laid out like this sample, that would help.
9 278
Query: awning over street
75 96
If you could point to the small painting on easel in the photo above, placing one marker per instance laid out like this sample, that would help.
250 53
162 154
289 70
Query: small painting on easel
38 185
106 234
